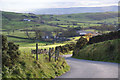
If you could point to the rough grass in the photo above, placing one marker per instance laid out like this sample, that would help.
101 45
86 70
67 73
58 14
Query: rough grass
104 51
28 67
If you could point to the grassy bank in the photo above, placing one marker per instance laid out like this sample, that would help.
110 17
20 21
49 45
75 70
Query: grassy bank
28 67
104 51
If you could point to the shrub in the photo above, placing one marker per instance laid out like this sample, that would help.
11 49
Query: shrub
79 45
66 48
10 52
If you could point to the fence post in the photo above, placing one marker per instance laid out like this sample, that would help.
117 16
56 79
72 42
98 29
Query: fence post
36 51
49 54
55 53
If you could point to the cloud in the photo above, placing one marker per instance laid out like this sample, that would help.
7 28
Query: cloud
23 5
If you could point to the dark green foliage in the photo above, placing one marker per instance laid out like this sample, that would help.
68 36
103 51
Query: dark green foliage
71 32
66 48
79 45
4 43
10 52
105 37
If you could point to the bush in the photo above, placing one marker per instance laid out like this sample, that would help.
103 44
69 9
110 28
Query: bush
10 52
79 45
66 48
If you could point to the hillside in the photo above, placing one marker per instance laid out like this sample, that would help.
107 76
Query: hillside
90 16
103 47
13 20
103 51
73 10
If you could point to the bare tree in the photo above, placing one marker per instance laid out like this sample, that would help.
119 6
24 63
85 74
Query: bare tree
27 33
38 34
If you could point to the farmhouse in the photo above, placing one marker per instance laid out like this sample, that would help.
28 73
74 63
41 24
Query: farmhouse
26 20
83 33
46 35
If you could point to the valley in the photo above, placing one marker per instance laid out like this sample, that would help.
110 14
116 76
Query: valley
82 34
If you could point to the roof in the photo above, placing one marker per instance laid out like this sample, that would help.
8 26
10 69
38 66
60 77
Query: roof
84 32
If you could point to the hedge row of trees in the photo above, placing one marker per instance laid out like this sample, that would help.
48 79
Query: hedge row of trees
66 48
105 37
75 47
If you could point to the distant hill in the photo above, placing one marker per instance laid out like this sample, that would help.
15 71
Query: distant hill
60 11
89 16
13 20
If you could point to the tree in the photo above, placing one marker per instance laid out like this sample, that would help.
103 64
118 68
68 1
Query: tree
79 45
38 34
27 34
81 42
71 32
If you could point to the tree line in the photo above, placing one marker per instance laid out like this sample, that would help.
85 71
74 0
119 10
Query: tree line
105 37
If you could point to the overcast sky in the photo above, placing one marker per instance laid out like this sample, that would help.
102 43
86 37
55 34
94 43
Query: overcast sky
25 5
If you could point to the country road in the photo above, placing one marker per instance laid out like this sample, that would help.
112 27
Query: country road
90 69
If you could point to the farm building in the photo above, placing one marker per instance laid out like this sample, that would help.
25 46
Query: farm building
83 33
26 20
46 35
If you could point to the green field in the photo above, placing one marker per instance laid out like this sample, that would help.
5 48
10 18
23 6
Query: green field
13 20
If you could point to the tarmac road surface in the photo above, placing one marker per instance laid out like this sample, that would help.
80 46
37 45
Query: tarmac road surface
90 69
